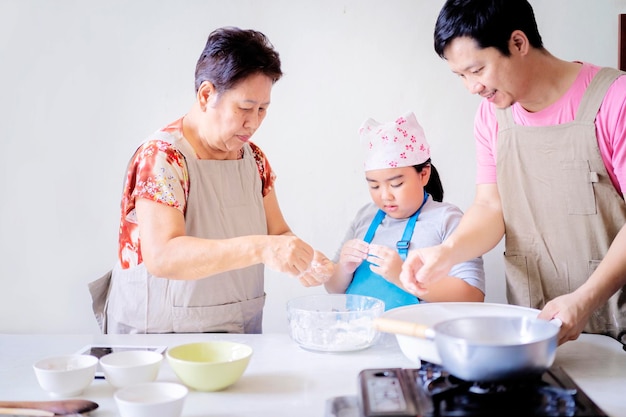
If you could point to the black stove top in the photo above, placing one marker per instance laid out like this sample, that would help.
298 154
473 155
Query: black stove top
431 391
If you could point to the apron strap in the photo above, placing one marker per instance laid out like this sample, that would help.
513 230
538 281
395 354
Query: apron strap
504 118
378 219
594 94
403 245
589 105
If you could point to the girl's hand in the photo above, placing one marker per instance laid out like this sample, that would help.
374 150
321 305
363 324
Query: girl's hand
386 262
353 253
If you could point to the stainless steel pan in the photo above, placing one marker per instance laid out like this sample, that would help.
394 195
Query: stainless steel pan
486 349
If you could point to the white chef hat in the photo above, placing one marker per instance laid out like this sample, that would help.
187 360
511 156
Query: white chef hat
396 144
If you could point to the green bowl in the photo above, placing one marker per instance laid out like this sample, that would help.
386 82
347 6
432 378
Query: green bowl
209 366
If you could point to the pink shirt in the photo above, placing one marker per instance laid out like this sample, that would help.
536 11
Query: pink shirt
610 126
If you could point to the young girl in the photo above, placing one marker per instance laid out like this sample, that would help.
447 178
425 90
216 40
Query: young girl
406 213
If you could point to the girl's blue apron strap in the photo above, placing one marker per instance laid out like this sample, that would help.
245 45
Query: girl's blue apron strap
403 245
378 219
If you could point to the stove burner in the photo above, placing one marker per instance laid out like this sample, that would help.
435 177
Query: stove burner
479 388
525 402
551 394
560 400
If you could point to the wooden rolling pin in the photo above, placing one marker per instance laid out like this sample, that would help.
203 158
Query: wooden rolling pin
47 408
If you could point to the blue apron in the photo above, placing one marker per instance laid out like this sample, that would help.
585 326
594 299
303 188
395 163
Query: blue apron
366 282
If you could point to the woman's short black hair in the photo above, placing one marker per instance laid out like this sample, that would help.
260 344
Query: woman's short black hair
232 54
489 22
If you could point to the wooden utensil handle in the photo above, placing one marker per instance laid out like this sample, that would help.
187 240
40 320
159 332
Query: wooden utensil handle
60 407
25 412
402 327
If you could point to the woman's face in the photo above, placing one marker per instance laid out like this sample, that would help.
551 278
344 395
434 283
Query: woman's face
399 192
232 117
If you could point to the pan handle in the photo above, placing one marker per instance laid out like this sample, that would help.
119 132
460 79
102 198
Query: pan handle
406 328
557 322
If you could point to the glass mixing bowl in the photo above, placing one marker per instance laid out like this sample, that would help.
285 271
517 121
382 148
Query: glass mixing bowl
334 322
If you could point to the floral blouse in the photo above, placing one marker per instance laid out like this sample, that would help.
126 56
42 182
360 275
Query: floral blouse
157 171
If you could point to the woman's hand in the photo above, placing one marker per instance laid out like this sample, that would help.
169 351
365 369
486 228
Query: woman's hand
287 253
319 272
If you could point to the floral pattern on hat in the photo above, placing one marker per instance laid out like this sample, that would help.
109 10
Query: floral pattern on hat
394 144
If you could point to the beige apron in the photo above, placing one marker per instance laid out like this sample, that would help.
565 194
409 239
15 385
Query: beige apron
224 201
561 211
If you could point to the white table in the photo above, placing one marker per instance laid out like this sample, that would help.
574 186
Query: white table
283 379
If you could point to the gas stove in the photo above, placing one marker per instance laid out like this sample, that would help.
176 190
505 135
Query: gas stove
431 391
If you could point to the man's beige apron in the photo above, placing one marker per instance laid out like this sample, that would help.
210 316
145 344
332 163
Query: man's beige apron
224 201
561 211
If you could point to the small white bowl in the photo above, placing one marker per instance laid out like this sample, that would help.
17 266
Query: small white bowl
67 375
151 399
130 367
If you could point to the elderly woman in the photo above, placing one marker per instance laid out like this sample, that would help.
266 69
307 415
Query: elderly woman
199 214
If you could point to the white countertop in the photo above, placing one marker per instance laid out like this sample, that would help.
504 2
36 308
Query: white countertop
285 380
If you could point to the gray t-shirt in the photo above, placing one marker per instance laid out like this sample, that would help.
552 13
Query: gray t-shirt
434 224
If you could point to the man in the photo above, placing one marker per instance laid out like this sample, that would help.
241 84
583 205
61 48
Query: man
551 150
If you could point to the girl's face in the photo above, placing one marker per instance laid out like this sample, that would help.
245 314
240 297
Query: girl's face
399 192
232 117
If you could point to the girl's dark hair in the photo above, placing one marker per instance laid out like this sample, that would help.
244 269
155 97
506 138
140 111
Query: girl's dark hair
232 54
489 22
434 186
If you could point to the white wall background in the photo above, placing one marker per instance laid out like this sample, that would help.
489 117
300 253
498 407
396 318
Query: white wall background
82 82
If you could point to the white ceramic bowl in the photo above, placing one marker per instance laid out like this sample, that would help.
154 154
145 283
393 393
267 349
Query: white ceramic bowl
417 349
151 399
334 322
130 367
66 375
209 366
